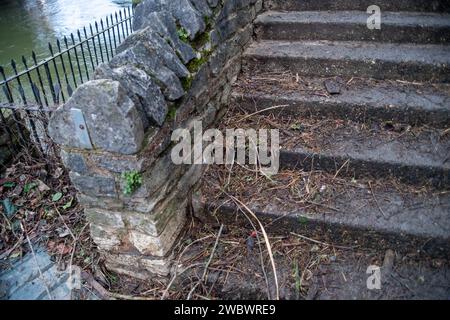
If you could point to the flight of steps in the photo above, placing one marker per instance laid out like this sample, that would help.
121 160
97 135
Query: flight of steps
393 119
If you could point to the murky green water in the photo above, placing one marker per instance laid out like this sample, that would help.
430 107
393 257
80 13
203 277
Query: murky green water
27 25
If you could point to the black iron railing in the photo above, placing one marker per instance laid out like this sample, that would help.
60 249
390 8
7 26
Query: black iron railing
31 88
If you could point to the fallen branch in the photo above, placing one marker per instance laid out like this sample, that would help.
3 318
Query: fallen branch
320 242
261 111
266 238
212 253
105 294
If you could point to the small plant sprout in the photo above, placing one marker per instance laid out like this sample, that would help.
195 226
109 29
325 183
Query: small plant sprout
132 181
183 34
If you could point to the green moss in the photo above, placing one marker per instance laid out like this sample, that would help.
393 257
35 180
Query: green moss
171 114
200 40
208 23
187 83
195 64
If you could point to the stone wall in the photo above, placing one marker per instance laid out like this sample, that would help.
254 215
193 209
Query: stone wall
178 66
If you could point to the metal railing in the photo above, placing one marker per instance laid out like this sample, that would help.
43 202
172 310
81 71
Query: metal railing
29 94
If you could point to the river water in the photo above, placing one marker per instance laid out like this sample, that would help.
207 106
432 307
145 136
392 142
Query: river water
27 25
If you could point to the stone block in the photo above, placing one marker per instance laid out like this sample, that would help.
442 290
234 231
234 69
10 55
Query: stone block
112 119
108 239
74 161
165 25
138 266
202 7
117 164
99 202
213 3
141 88
158 45
94 185
105 218
142 55
182 10
162 244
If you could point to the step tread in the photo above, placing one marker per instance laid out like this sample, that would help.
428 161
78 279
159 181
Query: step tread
351 50
381 206
416 155
356 92
347 280
381 143
424 19
350 142
395 213
387 5
326 271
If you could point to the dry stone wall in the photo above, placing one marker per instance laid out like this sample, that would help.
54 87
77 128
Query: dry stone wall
177 67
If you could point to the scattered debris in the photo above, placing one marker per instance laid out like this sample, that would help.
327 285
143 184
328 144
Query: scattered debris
332 86
39 208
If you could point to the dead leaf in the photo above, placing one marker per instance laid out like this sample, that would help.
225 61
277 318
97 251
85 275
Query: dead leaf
63 249
63 232
42 187
58 173
59 248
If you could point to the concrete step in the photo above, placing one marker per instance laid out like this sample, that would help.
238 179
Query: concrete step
421 160
415 155
336 277
361 100
377 214
410 62
361 5
306 269
397 27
